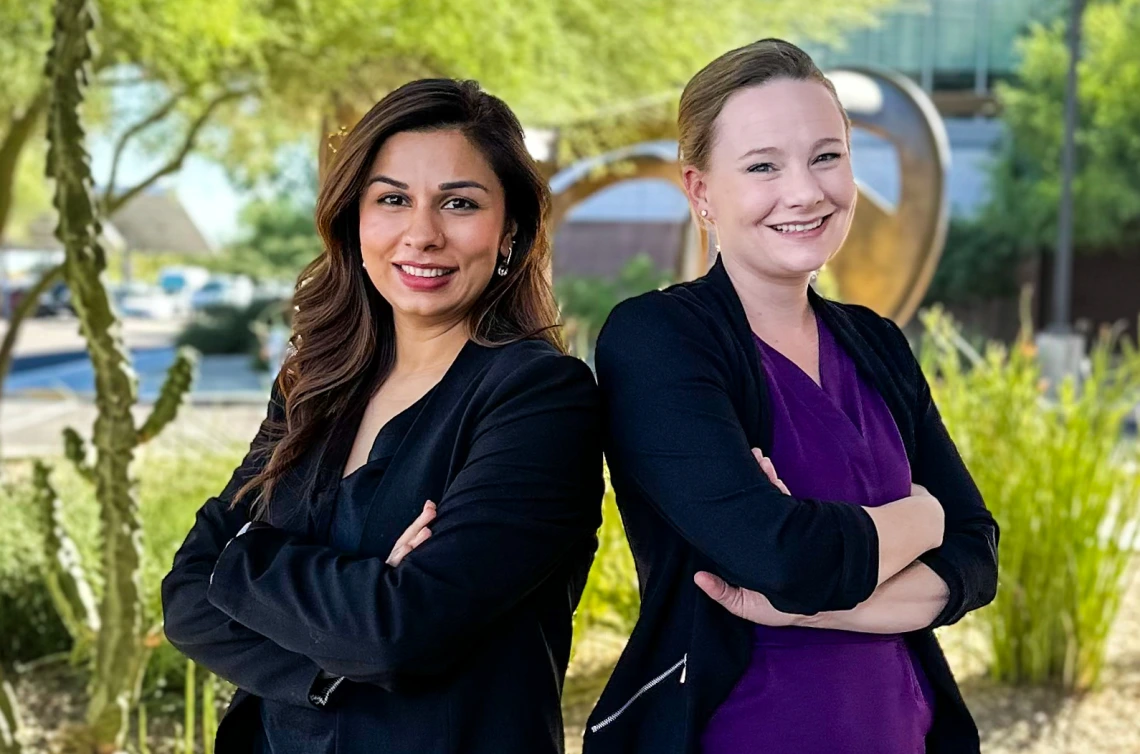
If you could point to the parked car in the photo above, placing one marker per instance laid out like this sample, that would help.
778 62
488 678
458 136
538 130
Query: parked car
224 290
181 283
144 301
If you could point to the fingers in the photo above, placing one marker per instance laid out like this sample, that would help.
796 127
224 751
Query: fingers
414 536
420 538
713 586
426 516
769 470
729 597
917 490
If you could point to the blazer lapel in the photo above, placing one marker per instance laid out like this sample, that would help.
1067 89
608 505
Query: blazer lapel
420 469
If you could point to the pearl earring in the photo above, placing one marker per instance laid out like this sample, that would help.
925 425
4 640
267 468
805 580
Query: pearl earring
704 213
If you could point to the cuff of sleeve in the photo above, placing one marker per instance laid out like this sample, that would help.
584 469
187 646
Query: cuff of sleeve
861 556
952 612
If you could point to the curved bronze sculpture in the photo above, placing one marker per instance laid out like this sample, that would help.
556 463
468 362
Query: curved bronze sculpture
891 253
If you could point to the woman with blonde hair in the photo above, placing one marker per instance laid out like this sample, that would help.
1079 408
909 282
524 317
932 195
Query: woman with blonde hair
799 516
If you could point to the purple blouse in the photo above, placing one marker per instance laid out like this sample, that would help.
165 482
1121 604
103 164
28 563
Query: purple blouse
820 691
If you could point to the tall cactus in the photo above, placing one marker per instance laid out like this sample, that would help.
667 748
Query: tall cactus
70 590
120 650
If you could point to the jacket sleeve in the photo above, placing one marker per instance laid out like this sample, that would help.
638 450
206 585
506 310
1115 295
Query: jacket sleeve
205 634
674 440
968 558
527 498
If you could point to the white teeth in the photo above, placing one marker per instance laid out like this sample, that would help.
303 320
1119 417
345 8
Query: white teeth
420 272
797 228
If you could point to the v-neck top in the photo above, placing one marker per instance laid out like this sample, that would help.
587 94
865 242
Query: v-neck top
286 728
354 494
813 690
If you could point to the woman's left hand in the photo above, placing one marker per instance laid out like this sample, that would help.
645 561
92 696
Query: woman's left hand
744 603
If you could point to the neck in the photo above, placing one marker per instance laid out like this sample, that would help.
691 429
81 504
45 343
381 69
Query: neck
774 307
424 348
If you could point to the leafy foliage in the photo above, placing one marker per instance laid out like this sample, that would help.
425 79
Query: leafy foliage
1106 188
1061 482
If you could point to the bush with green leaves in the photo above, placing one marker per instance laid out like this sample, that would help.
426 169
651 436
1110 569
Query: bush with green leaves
1063 482
169 497
610 600
227 329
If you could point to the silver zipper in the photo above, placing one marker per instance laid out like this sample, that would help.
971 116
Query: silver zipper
322 700
683 663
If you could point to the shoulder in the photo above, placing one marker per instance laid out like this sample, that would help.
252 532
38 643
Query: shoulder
674 315
536 364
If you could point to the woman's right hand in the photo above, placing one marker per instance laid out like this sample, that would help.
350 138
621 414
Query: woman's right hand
933 508
414 536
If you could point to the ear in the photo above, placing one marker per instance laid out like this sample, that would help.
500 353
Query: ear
508 238
696 189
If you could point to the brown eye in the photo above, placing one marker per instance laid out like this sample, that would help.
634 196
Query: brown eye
460 202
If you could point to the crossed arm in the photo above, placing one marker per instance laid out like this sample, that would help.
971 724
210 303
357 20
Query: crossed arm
910 600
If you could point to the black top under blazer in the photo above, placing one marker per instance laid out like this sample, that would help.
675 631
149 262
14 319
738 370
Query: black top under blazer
461 648
685 400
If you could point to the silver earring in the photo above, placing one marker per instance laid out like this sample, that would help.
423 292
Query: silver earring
503 269
365 266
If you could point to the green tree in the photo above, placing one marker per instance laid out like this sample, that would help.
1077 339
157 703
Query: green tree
1106 189
237 78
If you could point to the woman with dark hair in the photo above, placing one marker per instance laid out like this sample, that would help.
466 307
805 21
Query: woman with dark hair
426 365
799 516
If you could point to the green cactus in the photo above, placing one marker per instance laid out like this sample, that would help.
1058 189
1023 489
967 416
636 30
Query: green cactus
120 646
66 582
75 450
9 718
179 378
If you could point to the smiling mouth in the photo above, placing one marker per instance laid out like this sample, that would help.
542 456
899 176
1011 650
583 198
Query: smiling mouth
800 227
426 272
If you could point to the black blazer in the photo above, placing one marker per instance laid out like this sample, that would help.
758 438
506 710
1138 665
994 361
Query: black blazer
686 399
461 648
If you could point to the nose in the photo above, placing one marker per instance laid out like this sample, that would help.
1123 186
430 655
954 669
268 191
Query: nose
423 232
802 188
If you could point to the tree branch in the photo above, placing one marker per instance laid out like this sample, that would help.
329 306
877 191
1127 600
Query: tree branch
12 146
26 308
114 203
158 114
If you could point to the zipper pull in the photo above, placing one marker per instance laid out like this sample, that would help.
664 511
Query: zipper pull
684 667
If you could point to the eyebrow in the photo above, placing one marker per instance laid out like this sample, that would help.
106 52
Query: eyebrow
450 186
777 150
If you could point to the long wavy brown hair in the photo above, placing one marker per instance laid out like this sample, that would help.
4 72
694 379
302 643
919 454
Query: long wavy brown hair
343 339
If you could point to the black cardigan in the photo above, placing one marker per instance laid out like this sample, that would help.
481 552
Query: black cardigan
685 398
461 648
